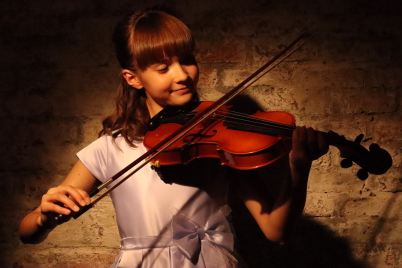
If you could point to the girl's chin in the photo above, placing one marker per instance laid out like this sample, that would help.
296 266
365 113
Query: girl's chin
181 100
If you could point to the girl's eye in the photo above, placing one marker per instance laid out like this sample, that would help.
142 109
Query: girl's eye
163 69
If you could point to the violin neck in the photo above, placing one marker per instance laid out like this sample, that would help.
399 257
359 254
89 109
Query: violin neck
256 125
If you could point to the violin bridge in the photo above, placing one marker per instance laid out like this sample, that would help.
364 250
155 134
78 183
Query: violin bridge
156 164
153 163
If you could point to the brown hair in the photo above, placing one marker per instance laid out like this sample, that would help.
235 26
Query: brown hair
142 39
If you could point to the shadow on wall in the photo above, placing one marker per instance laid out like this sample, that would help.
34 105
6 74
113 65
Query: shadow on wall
313 245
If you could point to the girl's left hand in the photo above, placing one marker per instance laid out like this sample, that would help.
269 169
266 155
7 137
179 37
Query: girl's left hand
307 146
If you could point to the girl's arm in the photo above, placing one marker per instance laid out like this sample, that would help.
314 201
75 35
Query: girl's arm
36 226
276 211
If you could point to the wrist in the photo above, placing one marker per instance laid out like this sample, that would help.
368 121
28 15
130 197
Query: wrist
300 172
304 166
42 226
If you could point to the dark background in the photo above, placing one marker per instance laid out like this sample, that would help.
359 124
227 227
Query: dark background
58 75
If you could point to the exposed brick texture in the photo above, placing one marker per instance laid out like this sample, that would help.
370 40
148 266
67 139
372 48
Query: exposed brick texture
58 77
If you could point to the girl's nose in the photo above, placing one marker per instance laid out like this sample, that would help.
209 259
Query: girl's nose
181 73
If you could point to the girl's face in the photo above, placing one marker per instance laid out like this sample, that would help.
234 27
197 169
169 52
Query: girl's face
172 81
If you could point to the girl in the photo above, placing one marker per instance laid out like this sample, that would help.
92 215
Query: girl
181 224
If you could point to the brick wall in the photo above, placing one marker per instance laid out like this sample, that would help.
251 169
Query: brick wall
58 77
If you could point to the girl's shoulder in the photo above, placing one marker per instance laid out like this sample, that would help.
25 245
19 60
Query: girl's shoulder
109 145
102 155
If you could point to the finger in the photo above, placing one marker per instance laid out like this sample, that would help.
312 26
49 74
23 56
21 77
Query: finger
55 202
80 196
299 155
52 207
314 149
85 195
49 205
298 139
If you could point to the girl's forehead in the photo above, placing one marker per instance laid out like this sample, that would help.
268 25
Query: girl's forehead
161 57
174 57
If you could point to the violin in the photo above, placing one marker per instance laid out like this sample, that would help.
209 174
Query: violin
199 130
245 142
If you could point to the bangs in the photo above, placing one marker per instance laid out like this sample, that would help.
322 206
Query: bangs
159 36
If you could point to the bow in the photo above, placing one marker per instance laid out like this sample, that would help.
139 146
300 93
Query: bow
214 240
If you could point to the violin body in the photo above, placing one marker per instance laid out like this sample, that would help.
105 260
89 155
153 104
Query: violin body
216 138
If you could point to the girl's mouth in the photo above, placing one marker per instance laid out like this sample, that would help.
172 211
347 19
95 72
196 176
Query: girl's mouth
181 90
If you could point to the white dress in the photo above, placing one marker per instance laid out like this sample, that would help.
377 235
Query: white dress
161 225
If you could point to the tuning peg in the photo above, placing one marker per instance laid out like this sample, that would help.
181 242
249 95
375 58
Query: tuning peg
362 174
359 138
374 147
346 163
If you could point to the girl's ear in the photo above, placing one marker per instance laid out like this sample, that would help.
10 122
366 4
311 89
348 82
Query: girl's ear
132 79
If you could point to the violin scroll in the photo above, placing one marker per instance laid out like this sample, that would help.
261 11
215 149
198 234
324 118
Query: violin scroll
375 160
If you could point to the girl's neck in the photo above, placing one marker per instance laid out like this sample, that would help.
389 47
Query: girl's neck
153 109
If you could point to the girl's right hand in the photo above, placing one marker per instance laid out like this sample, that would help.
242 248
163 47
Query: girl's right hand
60 200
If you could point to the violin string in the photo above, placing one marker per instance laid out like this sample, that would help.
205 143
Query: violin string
263 122
252 120
280 129
270 131
247 120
